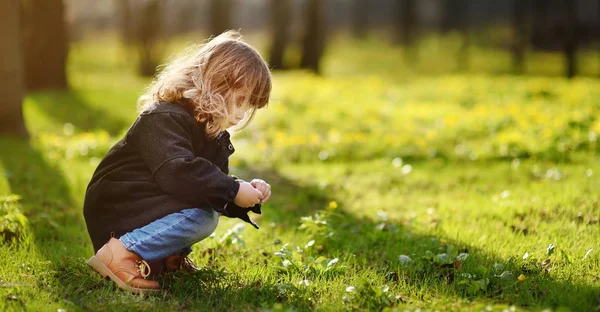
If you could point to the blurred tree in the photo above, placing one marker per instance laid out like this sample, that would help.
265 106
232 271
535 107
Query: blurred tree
45 46
11 71
313 44
186 17
125 21
449 16
456 18
360 18
463 28
519 8
147 36
280 19
540 8
570 39
220 16
406 22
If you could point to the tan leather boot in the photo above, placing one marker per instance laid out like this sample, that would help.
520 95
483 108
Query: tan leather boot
171 263
125 268
177 262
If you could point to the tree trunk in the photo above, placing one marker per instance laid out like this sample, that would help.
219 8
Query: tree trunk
571 37
148 36
280 19
220 16
449 16
125 21
360 18
45 46
11 71
406 22
540 7
461 21
314 36
519 35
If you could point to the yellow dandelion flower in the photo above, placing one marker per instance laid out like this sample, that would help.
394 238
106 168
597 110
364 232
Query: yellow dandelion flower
547 133
596 126
333 204
280 136
262 145
450 120
521 278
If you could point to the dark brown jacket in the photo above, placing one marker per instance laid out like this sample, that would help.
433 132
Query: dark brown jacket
165 163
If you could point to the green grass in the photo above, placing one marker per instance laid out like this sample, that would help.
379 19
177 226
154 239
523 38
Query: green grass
356 221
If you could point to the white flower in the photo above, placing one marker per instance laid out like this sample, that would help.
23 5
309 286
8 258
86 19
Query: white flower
309 244
405 260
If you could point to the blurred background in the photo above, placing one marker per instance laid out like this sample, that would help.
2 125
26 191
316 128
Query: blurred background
513 32
398 39
513 27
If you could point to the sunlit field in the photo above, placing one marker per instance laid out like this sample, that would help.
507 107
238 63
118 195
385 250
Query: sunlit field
396 185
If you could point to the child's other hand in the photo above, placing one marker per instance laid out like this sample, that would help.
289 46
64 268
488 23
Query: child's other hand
247 195
263 187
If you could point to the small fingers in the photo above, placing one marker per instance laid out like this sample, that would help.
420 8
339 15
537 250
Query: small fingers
263 187
264 190
266 197
268 192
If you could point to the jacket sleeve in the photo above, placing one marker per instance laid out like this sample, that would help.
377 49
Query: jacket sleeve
164 141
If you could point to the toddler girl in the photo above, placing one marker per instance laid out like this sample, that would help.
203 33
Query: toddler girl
162 187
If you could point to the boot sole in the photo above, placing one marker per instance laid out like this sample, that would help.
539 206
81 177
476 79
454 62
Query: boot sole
99 267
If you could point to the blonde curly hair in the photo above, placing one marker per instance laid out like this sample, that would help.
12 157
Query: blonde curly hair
208 79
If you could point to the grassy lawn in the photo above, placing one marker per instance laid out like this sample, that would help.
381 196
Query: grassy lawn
390 190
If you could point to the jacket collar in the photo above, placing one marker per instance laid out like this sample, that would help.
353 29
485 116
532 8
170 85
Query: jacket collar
223 139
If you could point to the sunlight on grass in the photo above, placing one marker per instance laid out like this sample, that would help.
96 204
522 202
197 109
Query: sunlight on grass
466 117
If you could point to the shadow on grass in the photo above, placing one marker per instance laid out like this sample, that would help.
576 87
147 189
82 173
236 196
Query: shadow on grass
59 237
72 107
379 243
46 198
208 289
476 278
211 288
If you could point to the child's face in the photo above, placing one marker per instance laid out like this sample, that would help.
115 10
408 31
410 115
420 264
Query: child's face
237 111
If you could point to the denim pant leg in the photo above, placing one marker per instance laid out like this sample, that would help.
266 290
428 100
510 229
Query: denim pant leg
172 233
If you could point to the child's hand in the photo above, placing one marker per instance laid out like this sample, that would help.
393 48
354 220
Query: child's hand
263 187
247 195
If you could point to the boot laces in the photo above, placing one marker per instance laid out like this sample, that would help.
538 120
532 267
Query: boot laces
187 263
143 268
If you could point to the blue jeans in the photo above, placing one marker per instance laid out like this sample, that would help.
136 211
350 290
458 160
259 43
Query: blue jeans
171 234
